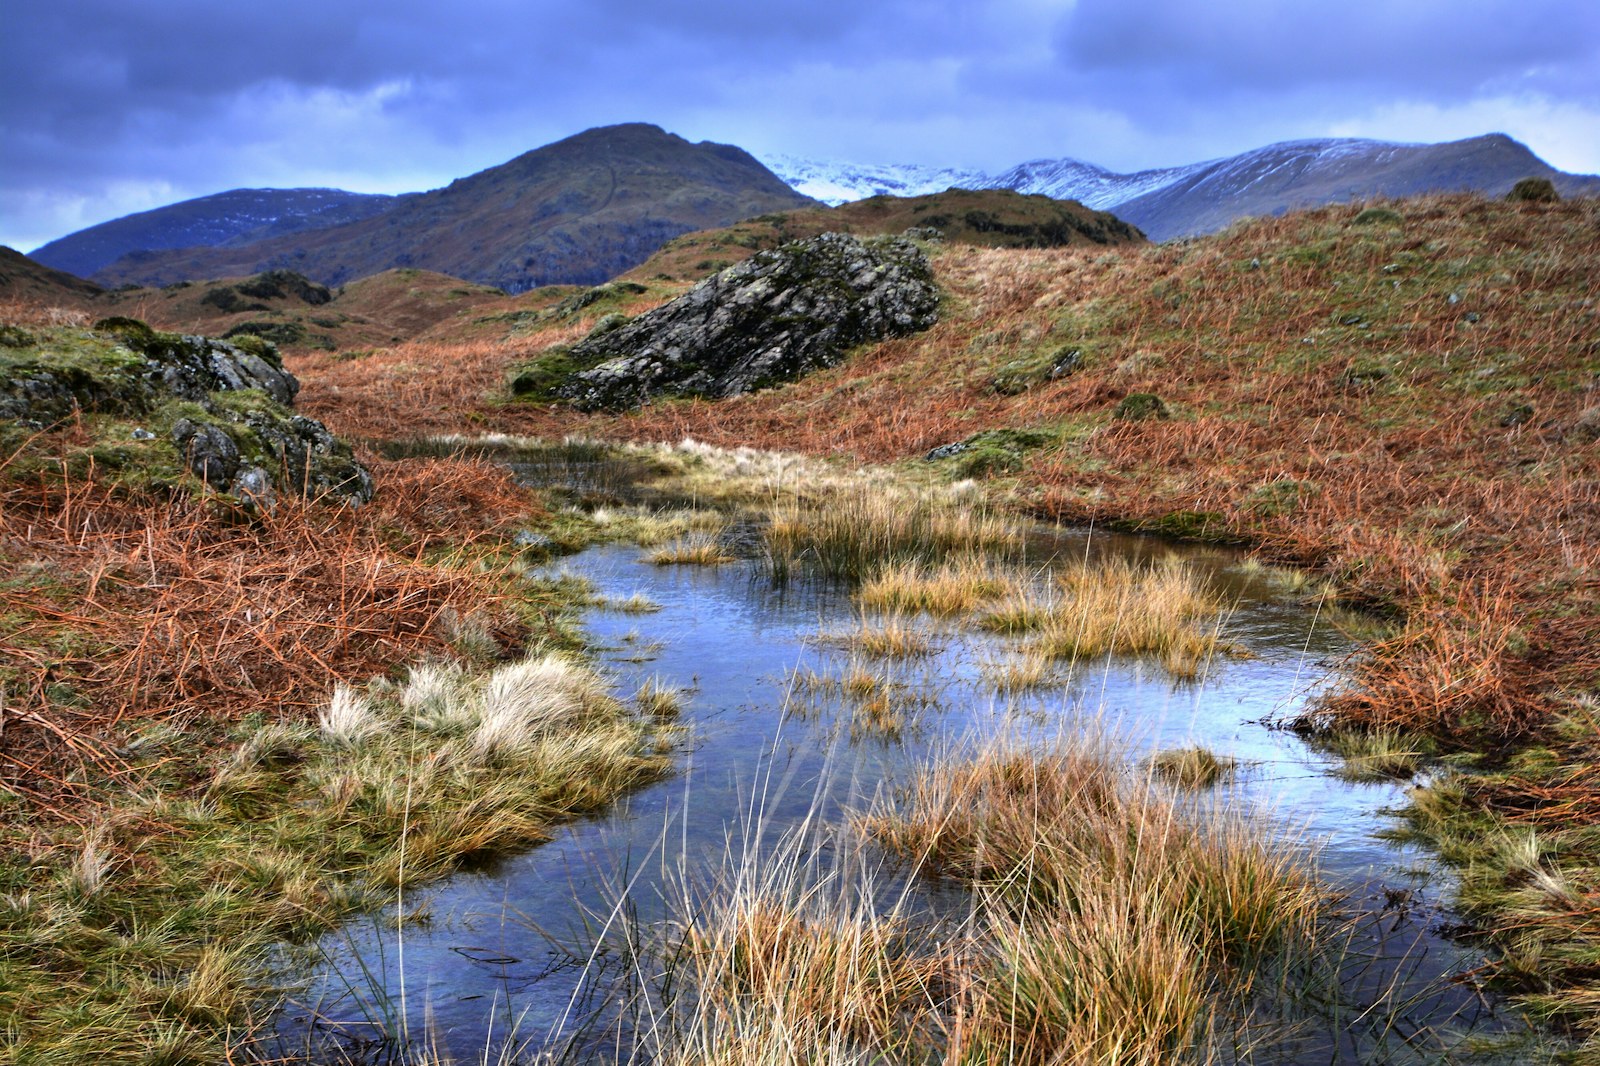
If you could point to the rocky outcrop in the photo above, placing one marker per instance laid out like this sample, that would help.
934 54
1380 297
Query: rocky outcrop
772 318
222 406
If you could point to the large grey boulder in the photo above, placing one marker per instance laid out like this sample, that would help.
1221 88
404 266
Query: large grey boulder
778 315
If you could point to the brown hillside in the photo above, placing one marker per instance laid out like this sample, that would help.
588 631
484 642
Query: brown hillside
24 281
993 218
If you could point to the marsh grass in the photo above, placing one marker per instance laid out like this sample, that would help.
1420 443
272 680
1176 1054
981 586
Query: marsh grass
1116 607
1104 924
637 603
1192 767
151 941
886 637
954 587
1027 670
859 530
694 549
1383 755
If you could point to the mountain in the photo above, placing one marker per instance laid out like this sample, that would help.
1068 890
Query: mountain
575 212
1204 197
227 218
1281 177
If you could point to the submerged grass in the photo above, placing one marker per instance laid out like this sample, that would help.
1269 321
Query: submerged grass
1104 926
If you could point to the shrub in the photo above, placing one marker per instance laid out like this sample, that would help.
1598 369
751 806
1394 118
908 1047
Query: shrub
1534 191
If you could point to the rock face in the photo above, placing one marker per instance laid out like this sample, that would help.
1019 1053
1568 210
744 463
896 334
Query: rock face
771 318
221 406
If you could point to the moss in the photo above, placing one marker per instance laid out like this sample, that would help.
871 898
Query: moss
16 337
536 381
1189 525
1280 497
281 333
1378 216
1534 191
1141 407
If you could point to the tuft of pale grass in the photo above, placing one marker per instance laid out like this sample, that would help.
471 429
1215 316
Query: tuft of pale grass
658 699
349 717
637 603
858 529
1117 608
523 701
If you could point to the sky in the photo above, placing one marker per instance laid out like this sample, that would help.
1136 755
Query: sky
109 107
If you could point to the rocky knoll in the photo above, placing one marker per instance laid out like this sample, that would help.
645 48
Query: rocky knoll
164 405
772 318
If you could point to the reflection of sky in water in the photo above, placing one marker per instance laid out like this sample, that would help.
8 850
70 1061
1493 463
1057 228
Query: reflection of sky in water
508 944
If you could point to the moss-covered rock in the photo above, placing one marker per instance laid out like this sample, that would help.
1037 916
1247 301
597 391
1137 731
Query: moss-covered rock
220 409
1141 407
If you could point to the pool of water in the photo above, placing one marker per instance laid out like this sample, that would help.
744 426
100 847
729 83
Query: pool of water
529 944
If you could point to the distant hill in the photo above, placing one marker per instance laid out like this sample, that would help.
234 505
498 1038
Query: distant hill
227 218
575 212
25 281
1204 197
995 218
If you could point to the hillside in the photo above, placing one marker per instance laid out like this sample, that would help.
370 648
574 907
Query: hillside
990 218
575 212
239 216
23 280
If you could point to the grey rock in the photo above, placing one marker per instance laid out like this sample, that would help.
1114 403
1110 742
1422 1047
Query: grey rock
210 453
253 486
946 451
776 316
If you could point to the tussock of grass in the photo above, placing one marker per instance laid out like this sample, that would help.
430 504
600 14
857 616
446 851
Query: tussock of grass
952 588
858 530
1114 911
1106 926
1027 671
637 603
695 549
887 637
1380 756
1192 767
1117 608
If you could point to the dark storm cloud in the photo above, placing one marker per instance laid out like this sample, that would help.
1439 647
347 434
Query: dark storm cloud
1152 47
108 107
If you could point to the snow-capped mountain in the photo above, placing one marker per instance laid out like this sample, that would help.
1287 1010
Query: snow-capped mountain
1092 186
836 183
1202 197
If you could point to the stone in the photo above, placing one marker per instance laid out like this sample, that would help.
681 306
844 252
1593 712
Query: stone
772 318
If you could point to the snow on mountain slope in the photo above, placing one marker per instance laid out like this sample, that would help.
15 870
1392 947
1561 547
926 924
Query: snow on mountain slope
836 183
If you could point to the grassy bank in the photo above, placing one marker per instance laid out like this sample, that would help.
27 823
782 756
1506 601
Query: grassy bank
222 729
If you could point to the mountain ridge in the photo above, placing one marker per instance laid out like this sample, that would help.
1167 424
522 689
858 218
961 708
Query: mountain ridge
578 211
1201 197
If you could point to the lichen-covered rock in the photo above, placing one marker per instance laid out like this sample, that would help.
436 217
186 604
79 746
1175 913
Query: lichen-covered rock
222 407
778 315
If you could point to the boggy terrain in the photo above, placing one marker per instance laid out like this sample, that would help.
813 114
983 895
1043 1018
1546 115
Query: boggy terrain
1404 396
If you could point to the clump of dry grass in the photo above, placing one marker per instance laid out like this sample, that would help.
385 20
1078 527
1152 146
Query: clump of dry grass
1116 607
695 549
887 637
857 530
953 587
1192 767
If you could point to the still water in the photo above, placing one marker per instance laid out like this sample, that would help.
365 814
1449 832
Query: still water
525 949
